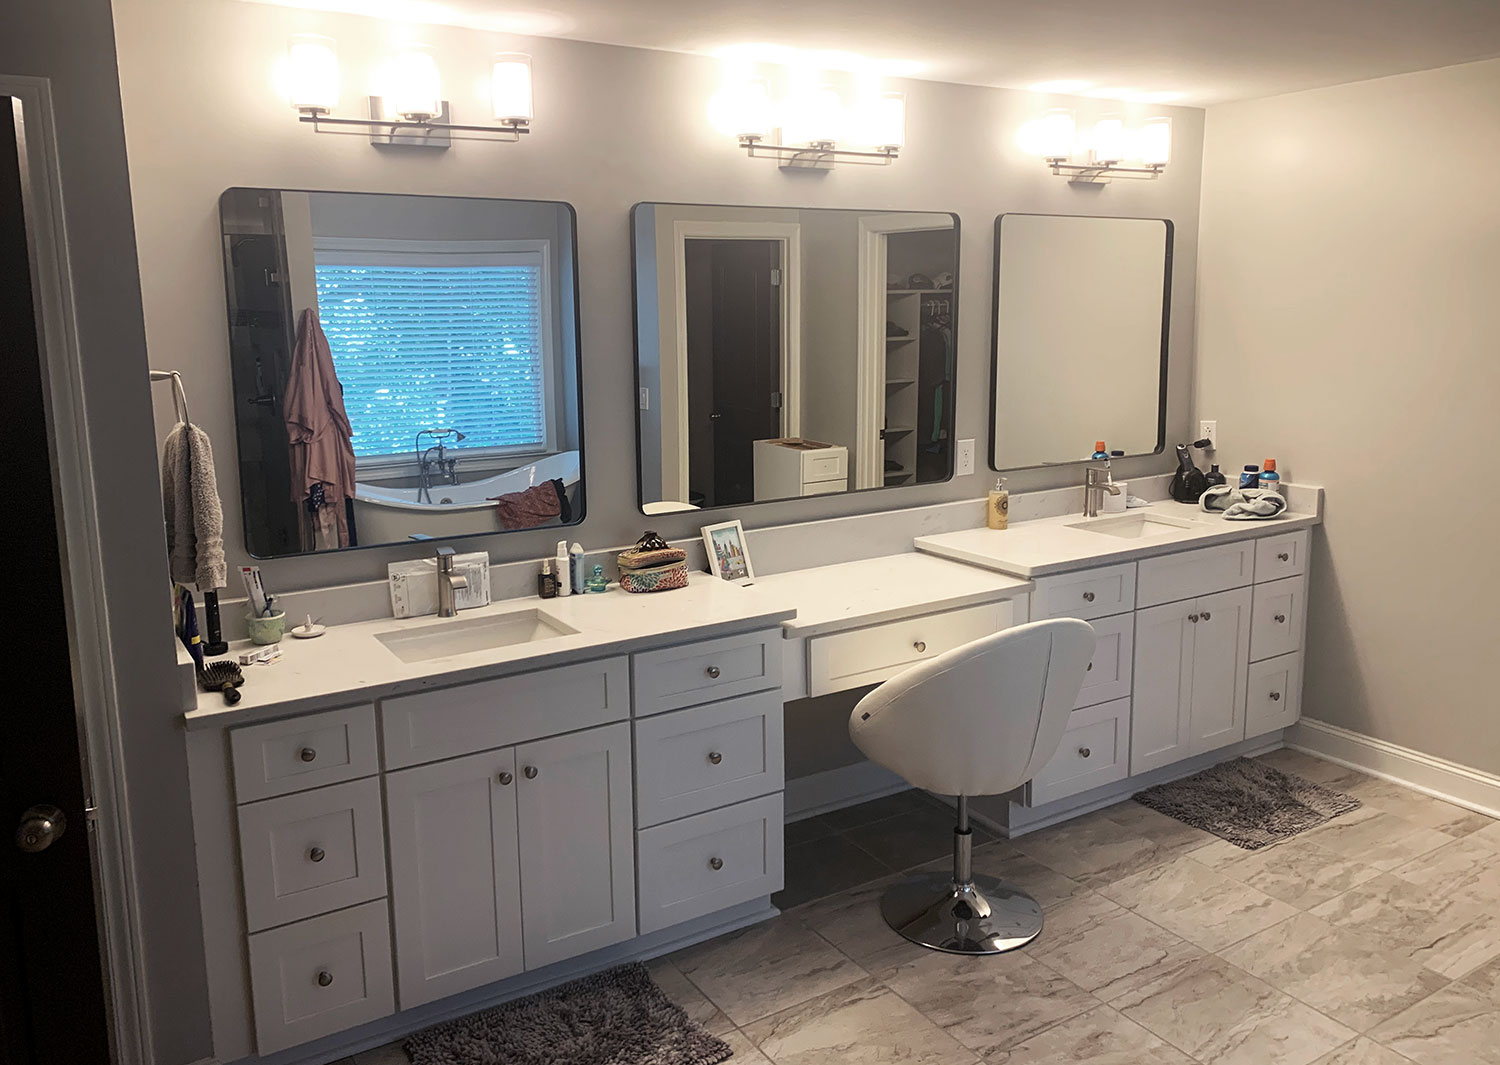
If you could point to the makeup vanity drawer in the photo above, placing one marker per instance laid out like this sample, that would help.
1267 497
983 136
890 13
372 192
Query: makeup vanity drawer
317 977
694 760
1190 574
312 852
701 864
1095 750
851 659
1108 674
497 713
303 752
710 669
1087 594
1281 556
1276 618
1275 699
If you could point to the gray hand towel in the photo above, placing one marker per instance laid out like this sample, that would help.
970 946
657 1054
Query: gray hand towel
194 515
1242 504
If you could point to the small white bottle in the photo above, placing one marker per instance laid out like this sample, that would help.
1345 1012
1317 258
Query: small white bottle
564 582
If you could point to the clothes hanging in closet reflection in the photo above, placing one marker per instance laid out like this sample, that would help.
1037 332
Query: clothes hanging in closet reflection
322 452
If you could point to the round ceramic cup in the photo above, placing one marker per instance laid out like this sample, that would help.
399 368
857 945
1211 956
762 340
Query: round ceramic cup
268 629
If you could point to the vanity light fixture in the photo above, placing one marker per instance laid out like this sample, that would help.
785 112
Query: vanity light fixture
411 112
1111 146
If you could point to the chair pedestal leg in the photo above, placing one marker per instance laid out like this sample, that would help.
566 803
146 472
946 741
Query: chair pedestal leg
964 914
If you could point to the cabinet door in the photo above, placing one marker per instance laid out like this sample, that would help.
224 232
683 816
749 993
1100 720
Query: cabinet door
455 875
1221 662
1161 708
577 852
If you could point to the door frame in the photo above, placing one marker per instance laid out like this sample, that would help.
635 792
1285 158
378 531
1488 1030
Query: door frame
869 378
96 699
789 236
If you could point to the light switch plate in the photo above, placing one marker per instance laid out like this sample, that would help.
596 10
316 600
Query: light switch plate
965 458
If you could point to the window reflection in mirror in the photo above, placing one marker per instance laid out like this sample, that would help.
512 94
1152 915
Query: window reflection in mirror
404 367
787 352
1081 315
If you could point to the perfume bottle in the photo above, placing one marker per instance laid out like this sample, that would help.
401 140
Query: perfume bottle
596 581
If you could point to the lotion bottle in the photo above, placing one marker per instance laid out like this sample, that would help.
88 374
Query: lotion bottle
575 568
997 514
564 585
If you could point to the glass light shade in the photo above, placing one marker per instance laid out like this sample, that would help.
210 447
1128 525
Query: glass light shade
510 88
814 116
415 90
887 119
1156 142
1109 139
313 73
1055 134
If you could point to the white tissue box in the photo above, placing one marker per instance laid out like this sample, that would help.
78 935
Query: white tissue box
414 584
1116 504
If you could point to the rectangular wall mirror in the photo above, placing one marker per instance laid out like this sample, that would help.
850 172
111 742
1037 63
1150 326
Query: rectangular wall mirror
784 353
1081 312
404 367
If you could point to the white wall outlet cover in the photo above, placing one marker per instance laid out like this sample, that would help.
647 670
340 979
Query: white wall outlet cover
1209 430
645 399
965 458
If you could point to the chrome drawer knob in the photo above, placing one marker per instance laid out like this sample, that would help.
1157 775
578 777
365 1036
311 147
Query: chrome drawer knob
1089 668
307 754
1283 556
921 646
716 864
713 672
1084 752
1088 597
714 757
1275 697
530 772
1193 618
316 854
325 978
1205 615
1281 619
504 778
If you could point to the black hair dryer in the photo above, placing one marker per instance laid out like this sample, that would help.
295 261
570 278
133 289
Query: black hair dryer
1188 481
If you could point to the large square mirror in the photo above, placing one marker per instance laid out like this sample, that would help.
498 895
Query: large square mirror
1081 312
785 352
404 367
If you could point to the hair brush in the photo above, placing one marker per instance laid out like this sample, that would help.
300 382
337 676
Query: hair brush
222 677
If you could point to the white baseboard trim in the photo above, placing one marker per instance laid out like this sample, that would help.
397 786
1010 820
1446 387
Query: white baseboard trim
833 789
1461 785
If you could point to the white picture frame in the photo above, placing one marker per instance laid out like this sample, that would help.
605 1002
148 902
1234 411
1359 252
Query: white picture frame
728 554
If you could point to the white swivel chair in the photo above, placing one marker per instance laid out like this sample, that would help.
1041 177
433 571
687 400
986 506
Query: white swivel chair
981 719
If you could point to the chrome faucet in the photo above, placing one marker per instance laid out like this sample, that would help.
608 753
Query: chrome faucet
448 583
1096 481
445 467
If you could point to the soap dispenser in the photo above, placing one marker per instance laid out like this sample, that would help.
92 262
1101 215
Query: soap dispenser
997 513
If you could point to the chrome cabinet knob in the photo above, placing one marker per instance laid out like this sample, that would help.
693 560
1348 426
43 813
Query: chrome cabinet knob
307 754
716 864
1089 668
530 772
921 646
713 672
1275 697
1088 597
324 978
714 757
40 827
316 854
1283 557
1193 618
504 777
1084 752
1281 619
1205 615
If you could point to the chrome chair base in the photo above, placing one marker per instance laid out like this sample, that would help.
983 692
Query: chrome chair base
980 916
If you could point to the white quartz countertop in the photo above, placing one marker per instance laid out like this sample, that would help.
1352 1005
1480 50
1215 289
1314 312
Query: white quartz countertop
852 594
1056 545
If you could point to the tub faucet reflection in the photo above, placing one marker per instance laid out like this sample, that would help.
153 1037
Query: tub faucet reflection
448 583
445 467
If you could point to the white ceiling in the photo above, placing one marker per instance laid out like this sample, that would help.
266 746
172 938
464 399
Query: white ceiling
1208 51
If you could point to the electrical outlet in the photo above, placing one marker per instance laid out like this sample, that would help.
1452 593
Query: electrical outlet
965 458
1209 430
645 399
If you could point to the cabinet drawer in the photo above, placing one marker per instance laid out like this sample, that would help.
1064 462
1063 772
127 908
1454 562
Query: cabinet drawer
1108 675
825 465
823 488
1088 594
1194 573
844 660
1275 699
321 976
312 852
1094 751
694 760
700 864
303 752
1281 556
1276 618
710 669
497 713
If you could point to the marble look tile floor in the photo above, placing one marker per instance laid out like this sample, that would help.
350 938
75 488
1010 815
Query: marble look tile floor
1375 941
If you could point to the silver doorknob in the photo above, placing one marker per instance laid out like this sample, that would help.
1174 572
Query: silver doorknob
1088 597
713 672
316 854
1205 615
41 826
530 772
714 757
307 754
504 778
1084 752
1283 556
1275 697
1281 619
716 864
921 646
324 978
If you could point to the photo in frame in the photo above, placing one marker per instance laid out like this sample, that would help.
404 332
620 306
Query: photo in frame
728 556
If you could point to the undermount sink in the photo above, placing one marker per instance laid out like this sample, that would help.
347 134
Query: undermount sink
1134 526
448 637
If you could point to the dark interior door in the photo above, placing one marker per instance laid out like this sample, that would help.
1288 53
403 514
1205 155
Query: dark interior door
733 363
52 1005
